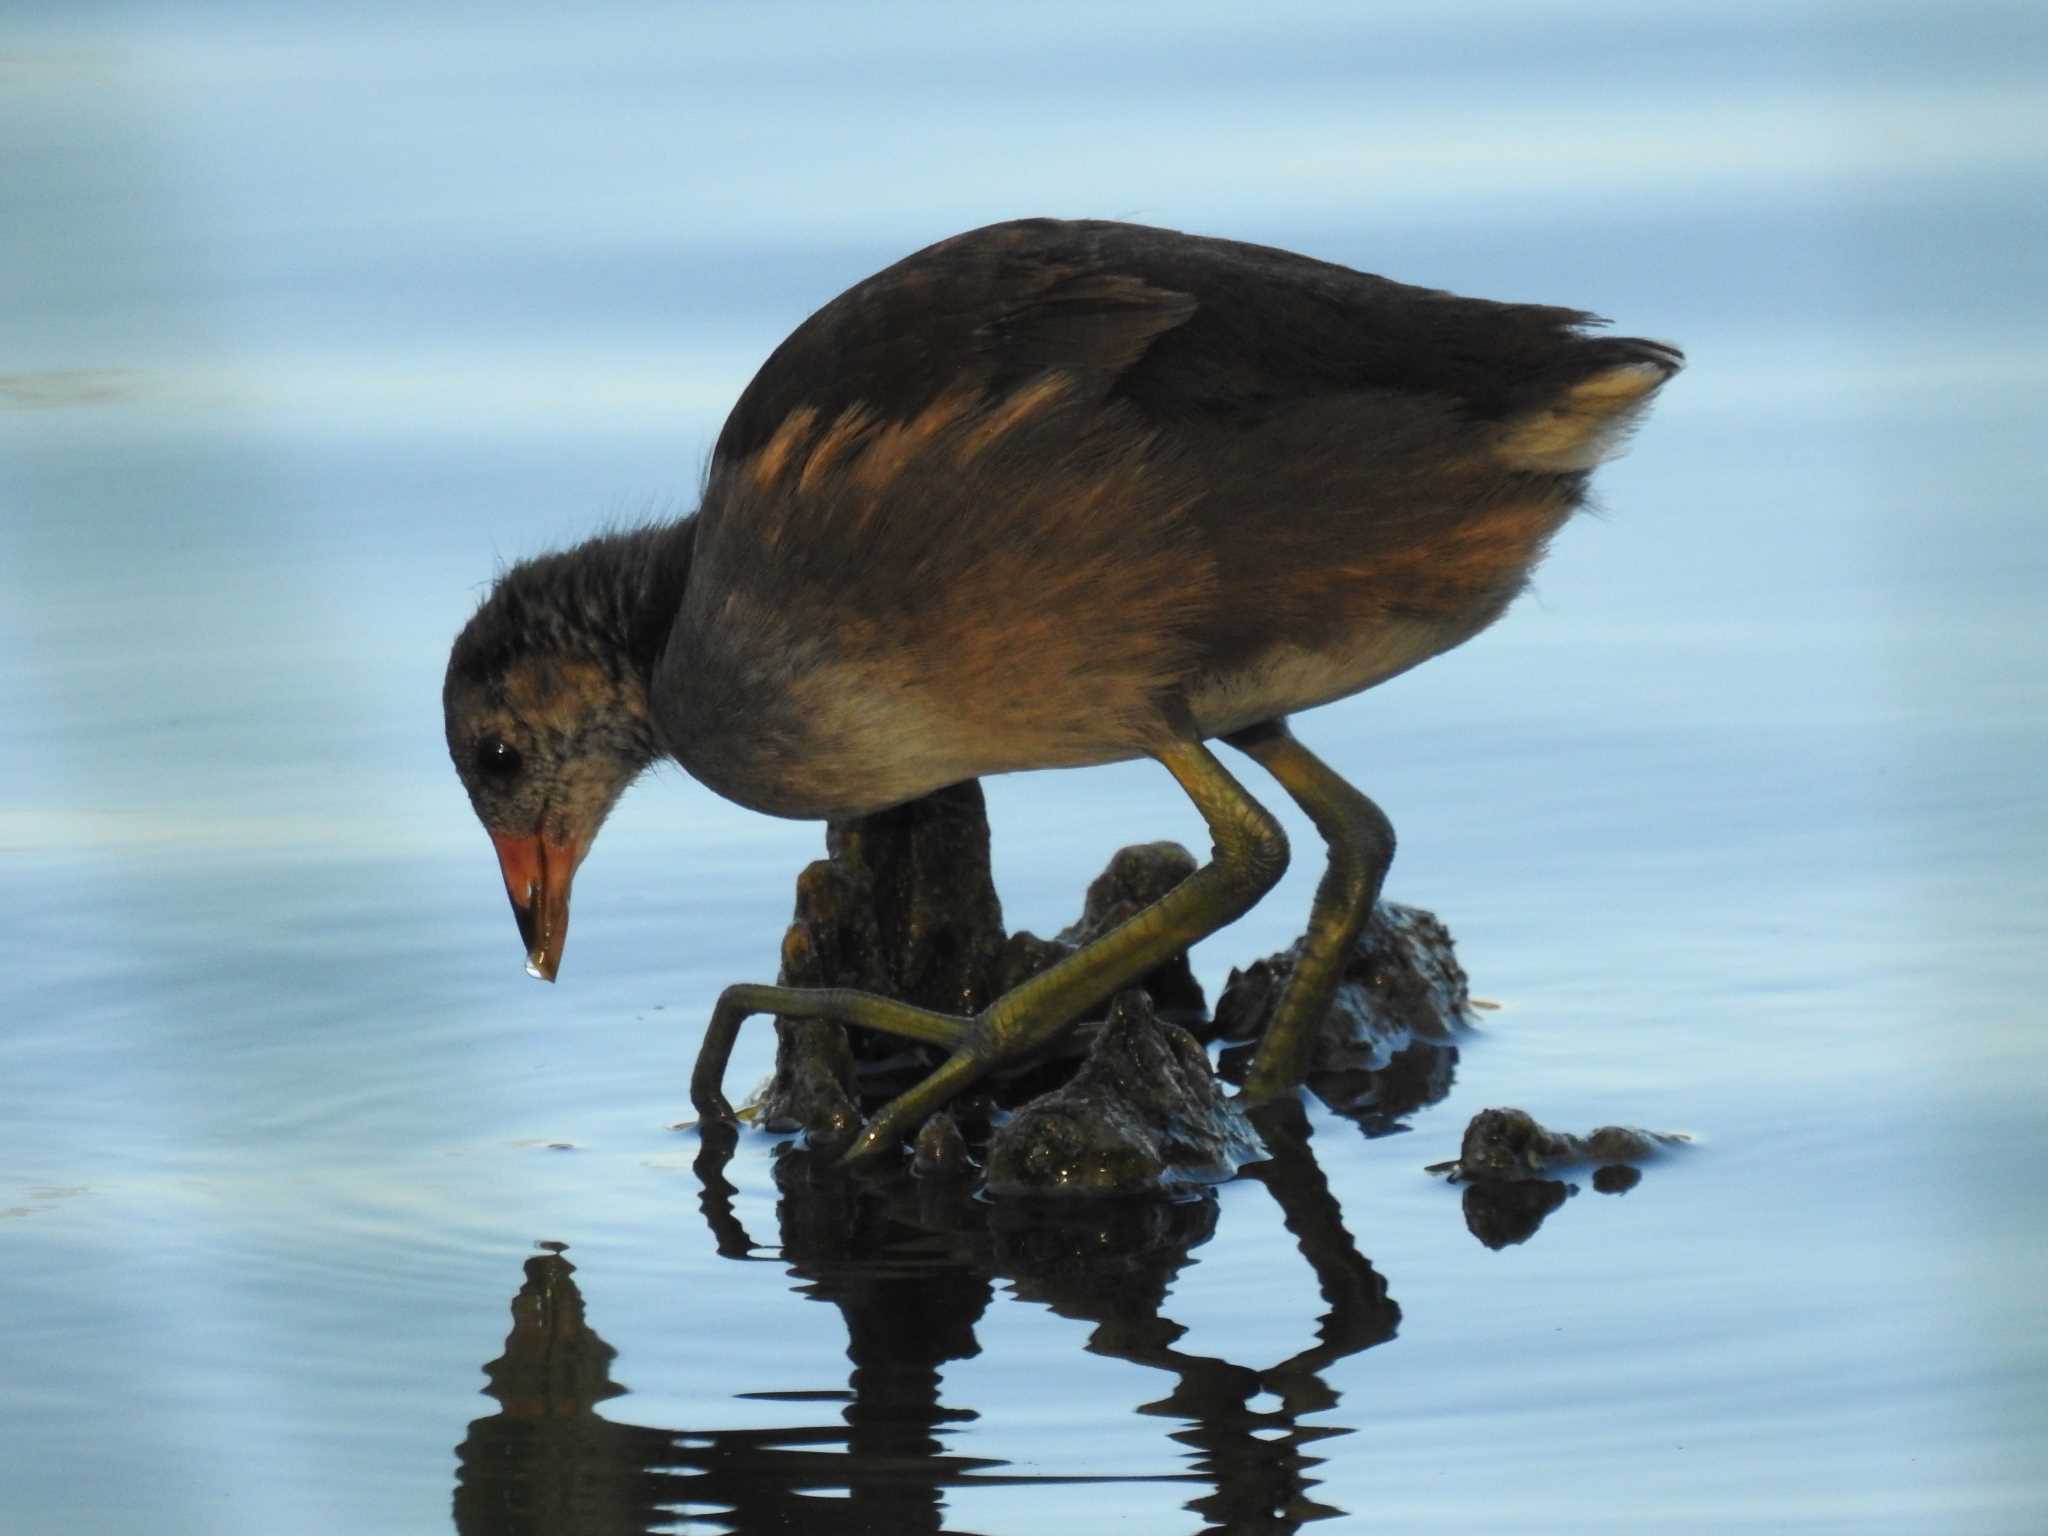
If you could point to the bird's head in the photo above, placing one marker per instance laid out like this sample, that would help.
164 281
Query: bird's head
547 724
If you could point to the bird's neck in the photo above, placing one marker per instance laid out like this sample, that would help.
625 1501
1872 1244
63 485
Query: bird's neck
649 571
615 601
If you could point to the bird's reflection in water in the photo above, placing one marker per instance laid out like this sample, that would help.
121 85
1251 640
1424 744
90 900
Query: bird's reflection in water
912 1266
1254 1459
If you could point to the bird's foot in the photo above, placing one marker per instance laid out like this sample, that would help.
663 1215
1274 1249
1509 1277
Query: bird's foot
898 1121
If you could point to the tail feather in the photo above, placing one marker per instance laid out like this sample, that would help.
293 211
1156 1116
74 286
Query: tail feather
1590 420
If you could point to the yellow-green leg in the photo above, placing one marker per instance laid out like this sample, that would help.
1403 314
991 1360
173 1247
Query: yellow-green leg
1361 843
842 1005
1250 854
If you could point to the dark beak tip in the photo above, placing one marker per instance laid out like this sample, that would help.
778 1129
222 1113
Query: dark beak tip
529 925
528 919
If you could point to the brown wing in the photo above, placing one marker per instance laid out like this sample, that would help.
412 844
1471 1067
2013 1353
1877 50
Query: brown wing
994 506
984 312
1179 326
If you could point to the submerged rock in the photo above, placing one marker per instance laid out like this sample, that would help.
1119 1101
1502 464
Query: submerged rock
1510 1146
1142 1115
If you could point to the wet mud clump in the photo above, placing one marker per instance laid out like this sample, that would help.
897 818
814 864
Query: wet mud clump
1141 1114
1509 1162
1511 1145
1135 877
1388 1047
904 905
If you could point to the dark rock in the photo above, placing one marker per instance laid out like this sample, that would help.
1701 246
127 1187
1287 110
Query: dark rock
904 905
1511 1145
1387 1047
1625 1144
1025 954
1142 1115
938 924
1135 877
834 936
812 1089
940 1151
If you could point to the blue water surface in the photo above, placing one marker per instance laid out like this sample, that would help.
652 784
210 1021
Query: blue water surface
312 323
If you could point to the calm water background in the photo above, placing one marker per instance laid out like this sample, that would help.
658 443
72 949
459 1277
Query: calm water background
1739 816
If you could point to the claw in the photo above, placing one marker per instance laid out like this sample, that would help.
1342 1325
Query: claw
875 1138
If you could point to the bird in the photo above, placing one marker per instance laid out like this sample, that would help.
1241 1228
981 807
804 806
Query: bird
1049 494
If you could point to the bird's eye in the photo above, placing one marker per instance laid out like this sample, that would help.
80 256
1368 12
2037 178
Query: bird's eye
497 758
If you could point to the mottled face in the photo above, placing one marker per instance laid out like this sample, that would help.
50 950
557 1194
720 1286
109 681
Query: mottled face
535 746
545 746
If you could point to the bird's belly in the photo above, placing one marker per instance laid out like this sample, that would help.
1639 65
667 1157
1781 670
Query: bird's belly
850 738
1284 679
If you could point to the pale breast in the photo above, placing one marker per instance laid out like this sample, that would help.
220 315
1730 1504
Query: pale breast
1285 679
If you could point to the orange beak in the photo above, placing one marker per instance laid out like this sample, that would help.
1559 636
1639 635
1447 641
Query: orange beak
537 877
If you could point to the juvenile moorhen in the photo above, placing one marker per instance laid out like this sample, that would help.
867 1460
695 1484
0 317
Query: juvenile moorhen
1044 495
